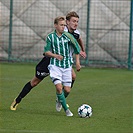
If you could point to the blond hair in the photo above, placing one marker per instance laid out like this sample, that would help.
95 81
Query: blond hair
59 18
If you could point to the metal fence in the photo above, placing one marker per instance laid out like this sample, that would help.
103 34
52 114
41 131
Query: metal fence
106 27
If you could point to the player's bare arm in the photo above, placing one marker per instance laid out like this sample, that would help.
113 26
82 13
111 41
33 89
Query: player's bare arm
82 52
78 66
50 54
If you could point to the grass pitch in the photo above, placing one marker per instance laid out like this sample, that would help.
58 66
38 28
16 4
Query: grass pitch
107 91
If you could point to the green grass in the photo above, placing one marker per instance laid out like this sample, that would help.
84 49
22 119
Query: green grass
108 91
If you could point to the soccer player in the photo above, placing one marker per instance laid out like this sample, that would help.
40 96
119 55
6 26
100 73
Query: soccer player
60 46
72 19
42 71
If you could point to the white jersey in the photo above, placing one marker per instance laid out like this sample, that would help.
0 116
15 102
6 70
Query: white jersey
76 35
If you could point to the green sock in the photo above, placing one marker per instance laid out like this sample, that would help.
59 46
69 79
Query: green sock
65 93
62 100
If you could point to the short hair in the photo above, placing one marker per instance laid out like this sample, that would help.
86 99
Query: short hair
71 14
59 18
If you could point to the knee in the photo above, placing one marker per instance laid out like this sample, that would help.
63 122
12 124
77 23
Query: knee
73 76
34 83
58 88
67 89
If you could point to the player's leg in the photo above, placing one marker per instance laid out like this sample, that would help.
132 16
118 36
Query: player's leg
66 80
62 99
68 112
56 75
73 80
60 95
73 77
66 93
27 88
41 73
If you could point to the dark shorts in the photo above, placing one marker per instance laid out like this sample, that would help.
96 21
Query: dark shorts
42 68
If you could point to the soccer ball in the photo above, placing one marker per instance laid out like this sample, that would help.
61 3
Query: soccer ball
85 111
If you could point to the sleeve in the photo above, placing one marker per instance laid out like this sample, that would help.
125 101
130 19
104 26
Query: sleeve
77 48
73 42
48 44
75 45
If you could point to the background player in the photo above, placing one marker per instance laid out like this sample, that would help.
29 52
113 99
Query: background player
41 71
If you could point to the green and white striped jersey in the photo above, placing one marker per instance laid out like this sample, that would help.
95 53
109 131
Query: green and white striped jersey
64 45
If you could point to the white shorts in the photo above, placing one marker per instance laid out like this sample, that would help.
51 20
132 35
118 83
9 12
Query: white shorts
61 75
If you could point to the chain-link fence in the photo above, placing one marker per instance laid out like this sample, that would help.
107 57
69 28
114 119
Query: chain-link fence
105 27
